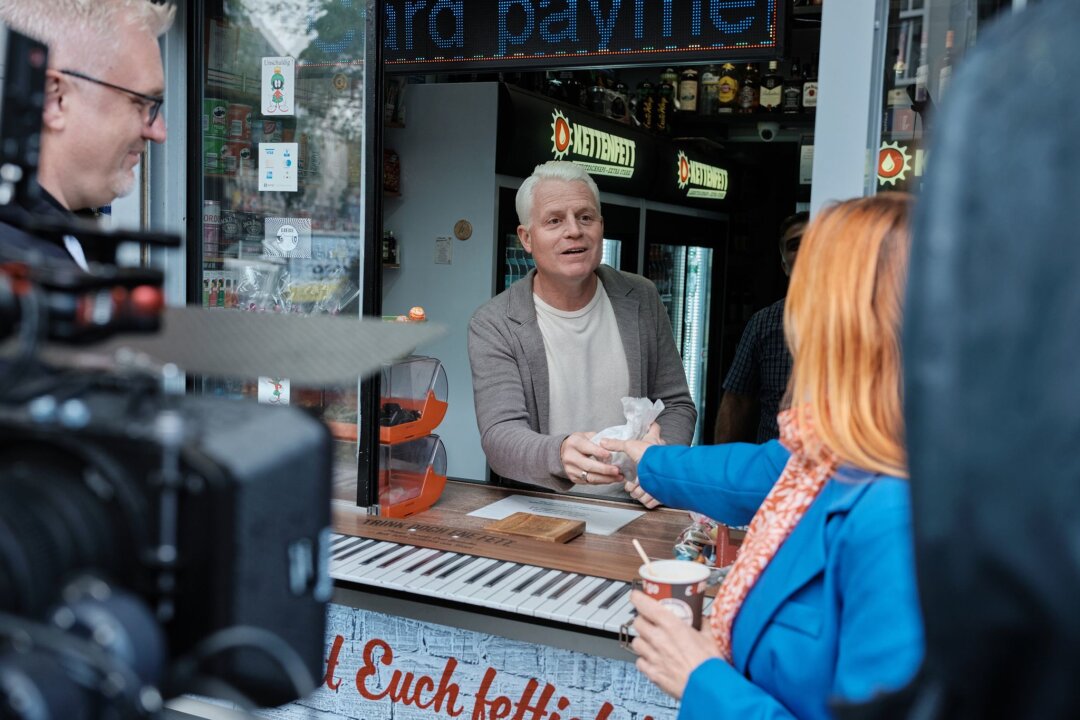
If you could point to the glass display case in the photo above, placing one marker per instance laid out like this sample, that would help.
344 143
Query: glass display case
412 475
278 127
412 461
413 399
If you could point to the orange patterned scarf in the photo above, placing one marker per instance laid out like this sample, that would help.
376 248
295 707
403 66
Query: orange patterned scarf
810 466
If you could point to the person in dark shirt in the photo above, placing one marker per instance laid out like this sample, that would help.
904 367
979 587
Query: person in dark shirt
758 377
103 94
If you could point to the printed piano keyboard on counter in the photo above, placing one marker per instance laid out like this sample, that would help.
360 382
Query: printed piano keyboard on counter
445 553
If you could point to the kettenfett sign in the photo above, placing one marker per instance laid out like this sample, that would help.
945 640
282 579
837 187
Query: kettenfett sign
700 180
599 152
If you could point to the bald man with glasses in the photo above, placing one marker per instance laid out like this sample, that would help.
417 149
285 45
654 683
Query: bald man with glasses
104 89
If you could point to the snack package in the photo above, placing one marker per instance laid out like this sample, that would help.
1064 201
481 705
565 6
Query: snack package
640 413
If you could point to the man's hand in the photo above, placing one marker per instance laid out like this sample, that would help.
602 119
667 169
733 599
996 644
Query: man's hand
587 463
669 650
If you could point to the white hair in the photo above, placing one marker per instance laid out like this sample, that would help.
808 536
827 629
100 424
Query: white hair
66 25
553 170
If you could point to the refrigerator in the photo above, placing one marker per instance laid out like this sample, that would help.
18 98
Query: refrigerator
280 137
684 259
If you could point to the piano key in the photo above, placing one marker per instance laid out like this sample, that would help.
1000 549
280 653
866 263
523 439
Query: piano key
533 577
549 584
619 590
352 565
562 604
398 575
589 605
392 560
506 596
477 592
425 580
562 589
496 579
484 571
336 538
619 614
456 581
533 596
351 550
595 592
438 567
421 563
339 548
376 557
469 560
522 601
352 556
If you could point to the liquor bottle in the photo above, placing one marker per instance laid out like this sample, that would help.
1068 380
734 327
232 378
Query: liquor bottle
710 91
945 76
646 105
791 100
748 90
729 89
772 89
596 97
809 88
688 90
619 101
665 101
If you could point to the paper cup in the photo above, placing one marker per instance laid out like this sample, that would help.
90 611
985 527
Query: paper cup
678 585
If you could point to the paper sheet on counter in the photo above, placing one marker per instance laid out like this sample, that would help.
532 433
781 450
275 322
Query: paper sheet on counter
599 520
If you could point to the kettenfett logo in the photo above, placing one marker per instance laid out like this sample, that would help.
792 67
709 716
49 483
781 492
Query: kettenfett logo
599 152
704 181
561 135
894 163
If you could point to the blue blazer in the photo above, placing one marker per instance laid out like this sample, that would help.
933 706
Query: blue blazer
834 616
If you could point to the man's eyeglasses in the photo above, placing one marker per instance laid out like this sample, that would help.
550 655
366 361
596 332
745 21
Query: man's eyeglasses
152 102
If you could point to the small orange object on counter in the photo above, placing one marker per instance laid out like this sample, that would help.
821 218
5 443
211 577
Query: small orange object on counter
417 314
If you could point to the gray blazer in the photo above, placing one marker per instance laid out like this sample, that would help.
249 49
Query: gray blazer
510 375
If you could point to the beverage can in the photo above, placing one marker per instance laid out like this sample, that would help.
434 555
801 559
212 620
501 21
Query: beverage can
211 228
235 158
212 146
238 122
215 116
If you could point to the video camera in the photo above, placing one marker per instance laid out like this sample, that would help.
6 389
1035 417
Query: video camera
150 544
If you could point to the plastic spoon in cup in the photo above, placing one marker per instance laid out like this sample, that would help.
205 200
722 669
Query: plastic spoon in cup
644 557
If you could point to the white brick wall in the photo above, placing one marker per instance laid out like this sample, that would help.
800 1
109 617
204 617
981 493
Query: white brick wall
582 683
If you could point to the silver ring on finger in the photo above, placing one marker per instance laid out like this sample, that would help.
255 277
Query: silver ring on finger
585 476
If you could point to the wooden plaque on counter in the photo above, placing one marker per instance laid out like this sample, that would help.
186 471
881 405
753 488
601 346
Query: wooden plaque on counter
538 527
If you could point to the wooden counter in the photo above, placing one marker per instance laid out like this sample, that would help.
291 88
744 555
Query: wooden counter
448 526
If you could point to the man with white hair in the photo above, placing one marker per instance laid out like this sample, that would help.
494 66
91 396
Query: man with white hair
104 89
554 354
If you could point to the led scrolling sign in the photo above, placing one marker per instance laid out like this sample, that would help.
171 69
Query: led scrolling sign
434 35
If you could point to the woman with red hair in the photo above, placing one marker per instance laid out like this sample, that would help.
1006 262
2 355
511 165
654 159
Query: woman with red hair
821 605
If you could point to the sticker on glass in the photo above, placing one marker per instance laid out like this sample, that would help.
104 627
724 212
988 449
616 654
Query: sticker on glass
274 391
278 85
278 166
287 237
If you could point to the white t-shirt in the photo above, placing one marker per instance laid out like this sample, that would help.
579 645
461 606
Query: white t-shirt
587 372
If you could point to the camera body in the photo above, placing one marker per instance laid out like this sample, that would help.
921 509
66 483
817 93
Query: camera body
214 512
767 130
